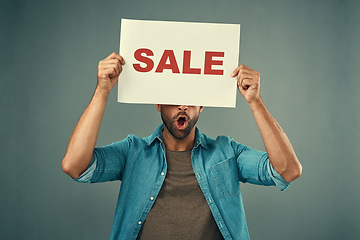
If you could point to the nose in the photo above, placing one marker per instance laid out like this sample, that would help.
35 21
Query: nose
183 107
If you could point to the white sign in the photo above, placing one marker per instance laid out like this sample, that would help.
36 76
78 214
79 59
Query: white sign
178 63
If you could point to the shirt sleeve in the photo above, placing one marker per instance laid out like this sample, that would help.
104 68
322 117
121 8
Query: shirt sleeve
107 163
255 167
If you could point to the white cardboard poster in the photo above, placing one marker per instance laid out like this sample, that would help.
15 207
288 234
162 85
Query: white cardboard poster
178 63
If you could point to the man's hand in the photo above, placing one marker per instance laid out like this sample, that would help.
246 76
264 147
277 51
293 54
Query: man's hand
248 81
109 70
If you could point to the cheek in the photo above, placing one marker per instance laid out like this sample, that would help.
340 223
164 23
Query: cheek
169 111
195 112
196 109
167 117
194 117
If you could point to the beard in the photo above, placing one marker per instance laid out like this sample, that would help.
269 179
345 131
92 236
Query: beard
171 125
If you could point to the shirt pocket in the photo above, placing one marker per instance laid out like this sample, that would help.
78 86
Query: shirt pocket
226 176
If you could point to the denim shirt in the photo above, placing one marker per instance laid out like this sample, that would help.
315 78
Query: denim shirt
219 165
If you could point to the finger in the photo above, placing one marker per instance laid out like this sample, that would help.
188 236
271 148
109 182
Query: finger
112 60
116 68
239 69
123 61
112 55
235 72
106 73
243 75
246 83
109 63
115 55
111 71
254 75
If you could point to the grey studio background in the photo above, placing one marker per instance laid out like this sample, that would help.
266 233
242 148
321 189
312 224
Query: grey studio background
307 54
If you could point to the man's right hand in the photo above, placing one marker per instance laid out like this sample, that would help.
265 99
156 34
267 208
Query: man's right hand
109 70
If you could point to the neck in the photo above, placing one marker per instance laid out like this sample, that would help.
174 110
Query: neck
174 144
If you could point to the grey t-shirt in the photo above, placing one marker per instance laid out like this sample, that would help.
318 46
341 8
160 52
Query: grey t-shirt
180 210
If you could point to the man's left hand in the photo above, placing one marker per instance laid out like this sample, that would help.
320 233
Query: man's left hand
248 81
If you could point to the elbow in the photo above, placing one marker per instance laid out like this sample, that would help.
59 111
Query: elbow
294 173
69 169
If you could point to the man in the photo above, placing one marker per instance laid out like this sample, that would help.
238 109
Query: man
178 183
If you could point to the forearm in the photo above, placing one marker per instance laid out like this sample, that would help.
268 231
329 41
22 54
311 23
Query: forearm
83 139
280 151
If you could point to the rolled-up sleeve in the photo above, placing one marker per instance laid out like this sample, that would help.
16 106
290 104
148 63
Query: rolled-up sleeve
88 174
276 177
255 167
107 163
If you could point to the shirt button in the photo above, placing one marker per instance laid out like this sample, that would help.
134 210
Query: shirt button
151 198
139 222
162 174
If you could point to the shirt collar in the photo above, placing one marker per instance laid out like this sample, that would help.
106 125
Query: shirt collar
199 137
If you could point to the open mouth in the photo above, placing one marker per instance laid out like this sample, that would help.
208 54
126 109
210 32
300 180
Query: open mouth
181 122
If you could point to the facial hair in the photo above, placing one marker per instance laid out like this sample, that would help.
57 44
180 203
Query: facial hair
170 124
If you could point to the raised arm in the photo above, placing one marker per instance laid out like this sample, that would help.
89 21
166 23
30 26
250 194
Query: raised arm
83 139
280 151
